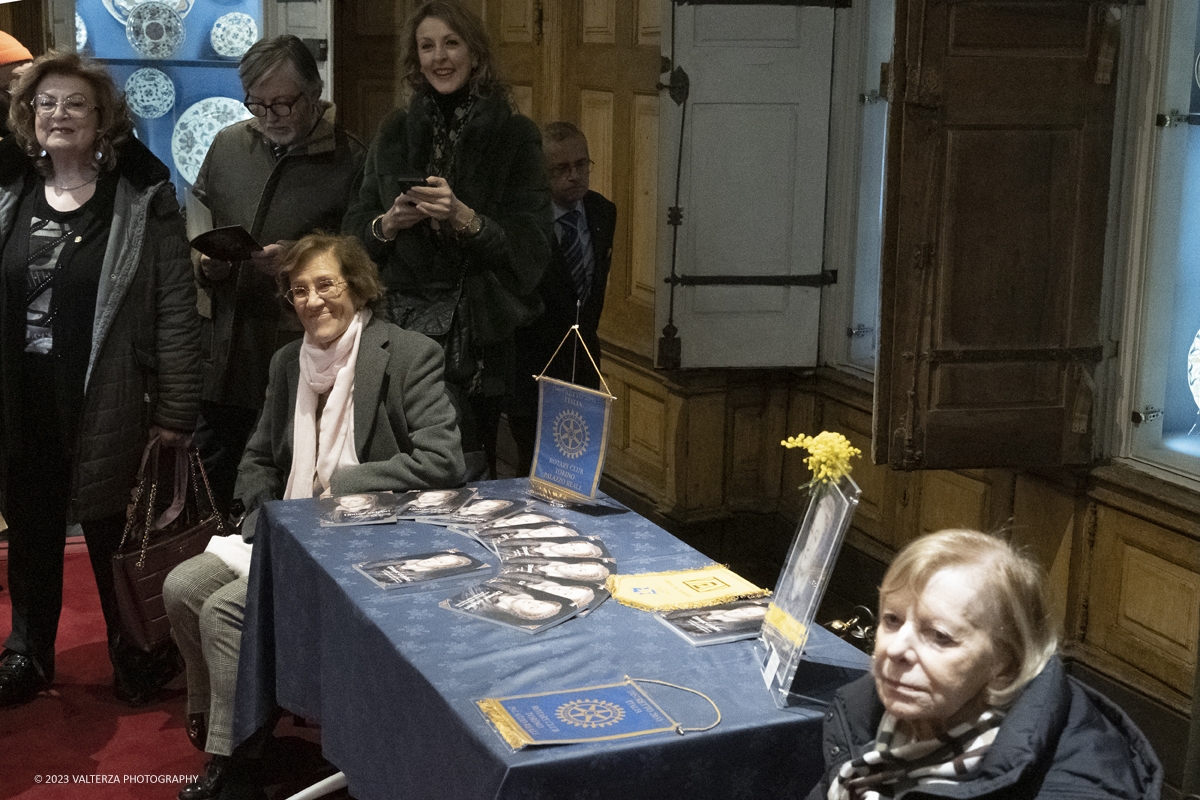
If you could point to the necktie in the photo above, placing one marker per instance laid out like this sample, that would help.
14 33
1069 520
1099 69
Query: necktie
573 254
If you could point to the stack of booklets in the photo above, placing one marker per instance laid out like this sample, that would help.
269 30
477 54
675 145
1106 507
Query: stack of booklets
549 572
724 622
406 570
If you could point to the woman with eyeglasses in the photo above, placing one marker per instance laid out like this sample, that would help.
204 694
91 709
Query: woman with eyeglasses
98 349
455 204
358 406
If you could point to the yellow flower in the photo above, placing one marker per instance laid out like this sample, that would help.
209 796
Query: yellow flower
830 455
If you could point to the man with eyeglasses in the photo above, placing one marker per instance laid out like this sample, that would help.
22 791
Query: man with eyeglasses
288 171
572 287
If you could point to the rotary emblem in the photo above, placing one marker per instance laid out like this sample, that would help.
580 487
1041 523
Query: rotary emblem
590 713
570 434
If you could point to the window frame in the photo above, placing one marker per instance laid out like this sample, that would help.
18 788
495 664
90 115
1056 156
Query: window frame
1138 287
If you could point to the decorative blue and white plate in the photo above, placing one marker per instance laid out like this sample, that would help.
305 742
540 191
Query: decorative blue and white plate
233 33
80 34
120 8
1193 369
150 93
155 29
196 129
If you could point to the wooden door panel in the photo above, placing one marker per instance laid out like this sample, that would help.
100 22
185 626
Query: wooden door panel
995 213
367 48
610 64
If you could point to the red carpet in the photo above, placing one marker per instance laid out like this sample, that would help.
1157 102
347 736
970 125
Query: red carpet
78 741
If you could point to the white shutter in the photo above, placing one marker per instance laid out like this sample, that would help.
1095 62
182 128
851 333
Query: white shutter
752 181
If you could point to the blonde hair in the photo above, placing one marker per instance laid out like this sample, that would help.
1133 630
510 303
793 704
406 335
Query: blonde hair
1012 594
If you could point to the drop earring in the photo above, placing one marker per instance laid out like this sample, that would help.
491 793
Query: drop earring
99 156
43 153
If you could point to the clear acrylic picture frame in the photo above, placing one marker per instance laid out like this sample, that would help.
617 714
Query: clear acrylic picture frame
801 586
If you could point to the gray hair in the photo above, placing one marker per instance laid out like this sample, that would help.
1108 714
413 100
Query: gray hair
265 55
555 132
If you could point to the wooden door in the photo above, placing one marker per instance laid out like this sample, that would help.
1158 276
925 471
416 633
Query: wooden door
518 30
367 49
610 70
995 209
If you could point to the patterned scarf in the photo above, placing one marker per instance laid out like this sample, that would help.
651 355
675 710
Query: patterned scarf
897 764
449 119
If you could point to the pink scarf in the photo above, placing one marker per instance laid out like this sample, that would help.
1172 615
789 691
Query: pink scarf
324 370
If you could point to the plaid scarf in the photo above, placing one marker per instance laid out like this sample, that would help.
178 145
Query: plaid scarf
897 764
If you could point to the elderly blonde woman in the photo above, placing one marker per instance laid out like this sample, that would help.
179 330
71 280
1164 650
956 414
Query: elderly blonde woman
967 697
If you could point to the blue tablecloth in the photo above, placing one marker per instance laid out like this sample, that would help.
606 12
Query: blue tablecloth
392 678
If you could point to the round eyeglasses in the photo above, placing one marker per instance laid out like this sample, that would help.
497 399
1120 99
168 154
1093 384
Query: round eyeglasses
326 290
75 106
279 107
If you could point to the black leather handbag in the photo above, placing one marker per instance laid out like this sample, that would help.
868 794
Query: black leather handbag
443 315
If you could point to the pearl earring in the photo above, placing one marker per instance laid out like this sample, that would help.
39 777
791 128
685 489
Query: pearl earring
99 156
43 153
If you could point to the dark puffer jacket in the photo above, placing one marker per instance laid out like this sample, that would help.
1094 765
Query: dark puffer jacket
144 367
1060 741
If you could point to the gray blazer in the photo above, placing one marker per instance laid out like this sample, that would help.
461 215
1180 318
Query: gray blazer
405 434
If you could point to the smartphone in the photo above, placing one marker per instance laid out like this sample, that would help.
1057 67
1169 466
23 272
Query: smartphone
404 184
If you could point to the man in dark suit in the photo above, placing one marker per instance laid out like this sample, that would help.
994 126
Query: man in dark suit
572 288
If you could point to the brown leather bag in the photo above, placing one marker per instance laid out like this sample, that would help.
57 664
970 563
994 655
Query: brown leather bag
151 547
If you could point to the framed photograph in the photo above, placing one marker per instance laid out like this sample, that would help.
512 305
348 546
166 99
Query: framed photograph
802 584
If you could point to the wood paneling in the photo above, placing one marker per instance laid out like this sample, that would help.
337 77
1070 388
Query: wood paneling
367 48
649 22
1144 597
608 49
518 30
951 500
516 21
599 21
597 111
643 222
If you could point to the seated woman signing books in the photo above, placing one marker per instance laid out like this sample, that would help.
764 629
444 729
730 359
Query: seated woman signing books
358 406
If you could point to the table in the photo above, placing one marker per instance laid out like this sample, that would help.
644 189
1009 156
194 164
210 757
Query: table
392 678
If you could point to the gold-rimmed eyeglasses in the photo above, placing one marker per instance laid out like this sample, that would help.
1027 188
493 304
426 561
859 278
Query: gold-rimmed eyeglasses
326 290
583 167
75 106
280 107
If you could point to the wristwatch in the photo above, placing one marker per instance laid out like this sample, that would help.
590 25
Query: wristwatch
472 228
